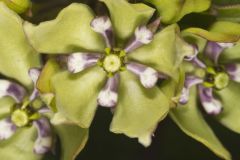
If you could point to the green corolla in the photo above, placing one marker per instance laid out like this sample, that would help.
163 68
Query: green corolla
112 62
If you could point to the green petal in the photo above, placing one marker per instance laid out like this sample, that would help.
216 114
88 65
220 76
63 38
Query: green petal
165 52
76 94
231 111
20 145
5 106
16 56
191 121
231 54
69 32
172 11
72 139
44 81
127 17
139 109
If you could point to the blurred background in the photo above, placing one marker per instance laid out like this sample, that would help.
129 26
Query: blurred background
169 143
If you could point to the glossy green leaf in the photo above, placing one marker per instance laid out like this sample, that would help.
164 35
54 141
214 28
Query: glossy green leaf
172 11
190 120
139 110
69 32
212 36
76 94
73 140
16 55
165 52
127 17
231 108
20 145
228 12
232 28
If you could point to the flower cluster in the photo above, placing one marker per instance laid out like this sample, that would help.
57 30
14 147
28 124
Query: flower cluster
132 58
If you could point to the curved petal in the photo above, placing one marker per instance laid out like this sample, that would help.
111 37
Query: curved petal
14 90
234 71
231 54
173 11
76 94
210 104
17 56
20 146
72 140
69 32
229 117
139 109
213 50
44 140
165 52
191 122
126 17
7 128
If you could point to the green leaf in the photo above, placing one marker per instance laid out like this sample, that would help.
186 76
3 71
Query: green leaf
20 145
212 36
232 28
16 56
127 17
139 109
165 52
5 106
69 32
73 140
228 12
190 120
231 109
172 11
76 94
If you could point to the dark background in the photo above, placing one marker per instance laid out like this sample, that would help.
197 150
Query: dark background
169 143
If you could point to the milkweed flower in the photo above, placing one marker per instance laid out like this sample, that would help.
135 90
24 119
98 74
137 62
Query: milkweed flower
23 114
112 61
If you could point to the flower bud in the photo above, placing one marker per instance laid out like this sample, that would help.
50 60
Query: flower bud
19 6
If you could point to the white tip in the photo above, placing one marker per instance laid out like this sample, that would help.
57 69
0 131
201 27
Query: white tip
184 96
101 24
145 140
42 145
149 77
226 45
213 107
7 129
77 62
143 35
34 74
107 98
4 85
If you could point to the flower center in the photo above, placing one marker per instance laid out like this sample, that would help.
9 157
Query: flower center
216 77
20 117
113 61
24 115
